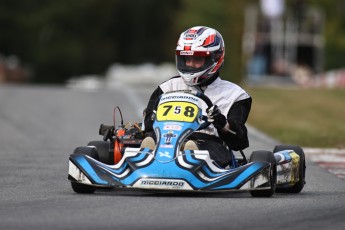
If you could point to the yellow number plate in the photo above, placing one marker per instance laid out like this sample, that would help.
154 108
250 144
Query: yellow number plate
177 111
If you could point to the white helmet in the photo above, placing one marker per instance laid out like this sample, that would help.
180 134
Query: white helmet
200 41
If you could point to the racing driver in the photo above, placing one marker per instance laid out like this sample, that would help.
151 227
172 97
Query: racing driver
199 59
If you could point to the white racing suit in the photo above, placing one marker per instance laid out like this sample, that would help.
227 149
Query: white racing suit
233 102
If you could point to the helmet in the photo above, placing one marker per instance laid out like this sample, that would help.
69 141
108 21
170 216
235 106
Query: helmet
203 45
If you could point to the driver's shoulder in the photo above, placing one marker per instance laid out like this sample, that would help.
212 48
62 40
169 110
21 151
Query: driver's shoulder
220 83
174 83
227 89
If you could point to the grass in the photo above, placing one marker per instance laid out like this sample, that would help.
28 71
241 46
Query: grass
306 117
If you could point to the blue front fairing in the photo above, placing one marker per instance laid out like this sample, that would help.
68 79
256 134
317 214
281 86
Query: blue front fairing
196 172
167 167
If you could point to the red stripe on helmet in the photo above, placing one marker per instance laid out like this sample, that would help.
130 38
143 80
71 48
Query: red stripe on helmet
219 64
209 40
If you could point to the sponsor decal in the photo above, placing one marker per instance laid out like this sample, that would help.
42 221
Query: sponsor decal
172 127
81 177
188 98
192 31
174 123
284 173
186 52
77 174
190 35
166 146
169 136
165 154
165 183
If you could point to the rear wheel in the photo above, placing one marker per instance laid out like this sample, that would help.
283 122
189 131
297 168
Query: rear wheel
300 184
103 153
267 156
78 187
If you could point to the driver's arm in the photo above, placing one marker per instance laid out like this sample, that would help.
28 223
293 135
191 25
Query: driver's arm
150 108
235 135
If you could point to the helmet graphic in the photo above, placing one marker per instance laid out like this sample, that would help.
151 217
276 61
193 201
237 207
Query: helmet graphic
199 55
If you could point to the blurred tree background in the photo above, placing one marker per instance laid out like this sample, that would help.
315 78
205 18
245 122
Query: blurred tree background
55 40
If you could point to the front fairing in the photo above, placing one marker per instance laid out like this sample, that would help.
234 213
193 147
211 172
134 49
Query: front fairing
168 167
178 116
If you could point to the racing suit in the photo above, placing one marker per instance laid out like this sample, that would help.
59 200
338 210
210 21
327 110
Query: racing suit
233 102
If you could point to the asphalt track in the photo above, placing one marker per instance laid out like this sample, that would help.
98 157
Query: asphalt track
40 126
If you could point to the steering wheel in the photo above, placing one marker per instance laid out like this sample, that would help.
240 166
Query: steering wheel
198 95
209 104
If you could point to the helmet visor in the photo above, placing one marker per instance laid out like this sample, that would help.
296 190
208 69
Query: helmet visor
193 61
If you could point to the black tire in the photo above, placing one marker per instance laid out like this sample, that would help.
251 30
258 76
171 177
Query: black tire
302 168
103 153
268 156
82 188
78 187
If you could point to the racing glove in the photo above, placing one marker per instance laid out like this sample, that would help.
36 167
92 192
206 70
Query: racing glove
215 116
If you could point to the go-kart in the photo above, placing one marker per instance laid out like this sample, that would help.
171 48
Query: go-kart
118 161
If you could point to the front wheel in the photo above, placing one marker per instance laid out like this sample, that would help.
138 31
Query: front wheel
103 152
267 156
78 187
296 188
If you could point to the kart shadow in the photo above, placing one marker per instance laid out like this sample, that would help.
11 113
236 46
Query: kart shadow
172 194
184 194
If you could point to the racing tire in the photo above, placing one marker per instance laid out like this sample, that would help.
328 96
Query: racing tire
262 155
78 187
103 153
296 188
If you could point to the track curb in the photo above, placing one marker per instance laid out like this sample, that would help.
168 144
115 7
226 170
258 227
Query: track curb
327 151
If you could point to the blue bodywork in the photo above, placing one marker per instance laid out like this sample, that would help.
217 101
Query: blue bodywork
167 167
